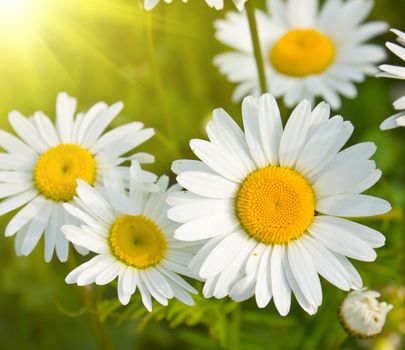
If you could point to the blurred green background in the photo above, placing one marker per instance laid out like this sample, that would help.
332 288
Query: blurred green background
159 65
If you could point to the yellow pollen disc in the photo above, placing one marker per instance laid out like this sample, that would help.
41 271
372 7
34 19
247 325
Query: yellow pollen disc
302 52
57 170
137 241
275 205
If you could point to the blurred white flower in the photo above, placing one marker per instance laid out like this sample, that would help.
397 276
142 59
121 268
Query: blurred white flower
216 4
39 170
133 239
307 51
269 204
361 313
395 72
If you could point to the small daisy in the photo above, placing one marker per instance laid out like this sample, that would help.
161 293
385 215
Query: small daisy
362 315
133 239
395 72
216 4
39 170
308 51
270 204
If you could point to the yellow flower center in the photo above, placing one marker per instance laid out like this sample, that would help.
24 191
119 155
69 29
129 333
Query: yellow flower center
275 205
57 170
302 52
137 241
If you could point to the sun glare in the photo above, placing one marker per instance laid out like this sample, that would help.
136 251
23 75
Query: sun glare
15 11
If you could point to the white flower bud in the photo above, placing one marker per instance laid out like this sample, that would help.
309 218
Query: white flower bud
362 315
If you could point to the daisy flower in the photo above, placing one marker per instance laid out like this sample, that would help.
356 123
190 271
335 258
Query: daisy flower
216 4
395 72
270 204
362 315
133 239
307 51
38 170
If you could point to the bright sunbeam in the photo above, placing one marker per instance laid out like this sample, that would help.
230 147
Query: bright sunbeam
15 12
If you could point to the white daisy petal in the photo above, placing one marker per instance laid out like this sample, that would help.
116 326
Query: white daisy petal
218 161
304 272
116 148
120 202
16 147
294 134
27 131
326 263
270 127
145 294
178 166
302 14
61 243
115 135
280 287
153 288
94 201
101 120
263 290
207 185
233 271
181 295
65 109
36 229
50 232
46 129
344 178
206 227
353 205
224 132
89 275
24 215
93 242
198 209
223 254
108 274
337 238
17 201
295 287
250 114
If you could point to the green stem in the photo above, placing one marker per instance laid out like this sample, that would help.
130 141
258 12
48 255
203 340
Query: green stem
250 12
99 328
90 299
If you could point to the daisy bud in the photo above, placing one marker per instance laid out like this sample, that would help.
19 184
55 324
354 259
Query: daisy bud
362 315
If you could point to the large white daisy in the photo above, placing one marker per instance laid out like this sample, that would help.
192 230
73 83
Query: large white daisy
308 52
271 204
133 239
395 72
38 171
216 4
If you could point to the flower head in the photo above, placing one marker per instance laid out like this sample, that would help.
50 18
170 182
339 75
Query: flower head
362 315
308 51
39 169
270 203
216 4
133 239
395 72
